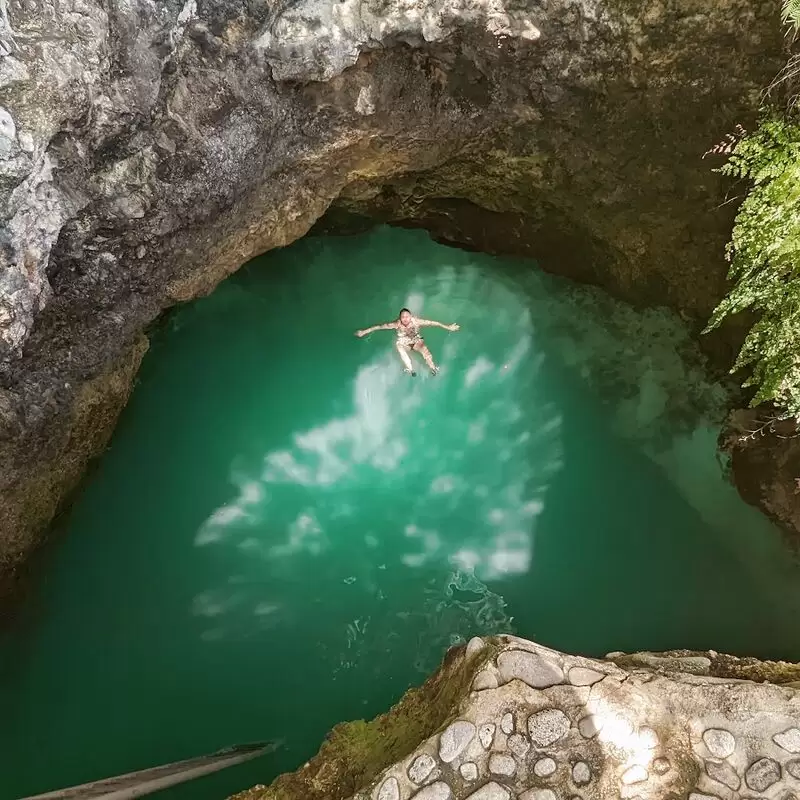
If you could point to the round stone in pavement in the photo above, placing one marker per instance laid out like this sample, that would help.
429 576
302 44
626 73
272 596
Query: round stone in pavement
544 767
485 679
518 745
469 771
789 740
436 791
762 774
538 794
536 671
455 739
648 738
546 727
501 764
590 726
720 743
583 676
486 734
635 774
492 791
581 773
474 646
421 767
793 768
507 723
661 766
722 772
390 790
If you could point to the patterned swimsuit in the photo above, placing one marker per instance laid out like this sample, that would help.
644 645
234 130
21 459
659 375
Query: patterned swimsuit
408 335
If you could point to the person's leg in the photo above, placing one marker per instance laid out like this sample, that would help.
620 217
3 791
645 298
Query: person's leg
405 357
422 349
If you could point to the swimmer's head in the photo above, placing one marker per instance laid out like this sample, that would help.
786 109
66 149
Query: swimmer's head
405 316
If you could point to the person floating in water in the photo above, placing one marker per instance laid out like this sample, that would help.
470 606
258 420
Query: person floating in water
409 338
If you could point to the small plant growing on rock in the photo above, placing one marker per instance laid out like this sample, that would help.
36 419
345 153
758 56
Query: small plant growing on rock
764 250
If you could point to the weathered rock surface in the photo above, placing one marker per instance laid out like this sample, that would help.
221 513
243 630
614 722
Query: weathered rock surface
148 149
765 464
664 733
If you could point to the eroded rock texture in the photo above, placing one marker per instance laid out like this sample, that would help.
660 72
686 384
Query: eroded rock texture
558 726
765 461
147 149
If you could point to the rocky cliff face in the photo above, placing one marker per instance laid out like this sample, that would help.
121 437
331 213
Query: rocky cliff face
506 719
147 149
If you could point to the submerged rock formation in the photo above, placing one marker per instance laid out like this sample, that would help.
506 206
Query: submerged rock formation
149 149
527 723
765 464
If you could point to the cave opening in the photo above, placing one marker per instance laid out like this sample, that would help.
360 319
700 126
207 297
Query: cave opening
287 531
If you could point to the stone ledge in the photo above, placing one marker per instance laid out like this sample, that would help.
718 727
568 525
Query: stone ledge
561 726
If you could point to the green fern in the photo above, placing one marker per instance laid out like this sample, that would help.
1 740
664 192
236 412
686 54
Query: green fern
764 250
765 260
790 13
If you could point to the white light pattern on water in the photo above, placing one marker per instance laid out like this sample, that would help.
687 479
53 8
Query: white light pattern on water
419 439
379 436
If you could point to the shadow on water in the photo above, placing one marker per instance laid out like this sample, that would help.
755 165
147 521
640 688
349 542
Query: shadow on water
287 531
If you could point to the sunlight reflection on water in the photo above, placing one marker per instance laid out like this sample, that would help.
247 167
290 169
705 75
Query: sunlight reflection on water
347 452
455 470
490 469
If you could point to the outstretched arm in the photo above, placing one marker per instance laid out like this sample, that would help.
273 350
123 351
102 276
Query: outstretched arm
384 326
432 323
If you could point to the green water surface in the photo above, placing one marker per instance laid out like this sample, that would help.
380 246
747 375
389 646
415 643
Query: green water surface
287 532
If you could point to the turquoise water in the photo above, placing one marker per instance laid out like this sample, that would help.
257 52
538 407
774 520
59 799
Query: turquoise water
287 531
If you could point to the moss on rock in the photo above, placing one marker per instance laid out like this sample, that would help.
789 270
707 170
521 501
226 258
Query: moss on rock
354 753
751 669
713 664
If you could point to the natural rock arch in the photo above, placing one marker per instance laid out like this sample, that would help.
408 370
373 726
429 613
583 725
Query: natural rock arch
148 151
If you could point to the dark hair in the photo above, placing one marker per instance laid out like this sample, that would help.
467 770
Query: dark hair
402 310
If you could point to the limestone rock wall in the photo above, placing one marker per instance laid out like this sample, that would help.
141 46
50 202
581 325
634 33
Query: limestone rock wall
147 149
535 724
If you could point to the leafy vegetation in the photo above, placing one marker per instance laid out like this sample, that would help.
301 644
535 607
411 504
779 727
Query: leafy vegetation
764 250
790 14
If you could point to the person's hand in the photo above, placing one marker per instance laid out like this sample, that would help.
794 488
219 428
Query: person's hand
454 327
361 334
